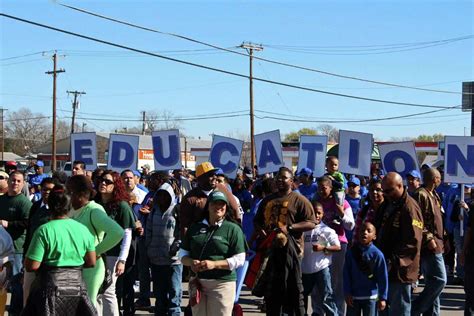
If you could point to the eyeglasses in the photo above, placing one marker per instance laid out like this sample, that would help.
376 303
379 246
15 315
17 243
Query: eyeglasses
3 178
106 181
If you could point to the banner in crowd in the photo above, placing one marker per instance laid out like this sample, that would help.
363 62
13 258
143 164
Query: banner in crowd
312 153
166 149
459 159
84 148
355 151
268 152
225 154
122 152
399 157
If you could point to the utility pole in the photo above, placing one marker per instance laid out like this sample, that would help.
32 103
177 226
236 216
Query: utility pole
250 47
83 127
3 131
468 101
75 105
53 145
144 122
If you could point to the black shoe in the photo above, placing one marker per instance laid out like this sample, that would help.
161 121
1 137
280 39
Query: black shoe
142 303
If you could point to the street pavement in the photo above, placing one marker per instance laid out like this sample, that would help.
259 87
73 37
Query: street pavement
452 301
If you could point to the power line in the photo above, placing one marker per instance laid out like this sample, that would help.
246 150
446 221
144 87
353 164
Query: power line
259 58
26 55
370 46
220 70
315 120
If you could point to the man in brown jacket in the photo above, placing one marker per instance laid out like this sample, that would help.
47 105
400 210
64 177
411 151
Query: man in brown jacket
400 236
194 202
432 263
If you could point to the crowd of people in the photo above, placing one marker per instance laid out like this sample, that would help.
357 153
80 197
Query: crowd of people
90 243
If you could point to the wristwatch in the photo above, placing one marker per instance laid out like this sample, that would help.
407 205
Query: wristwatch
289 228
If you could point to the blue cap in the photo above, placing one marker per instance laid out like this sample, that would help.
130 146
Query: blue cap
220 172
468 186
354 180
414 174
305 171
137 173
39 163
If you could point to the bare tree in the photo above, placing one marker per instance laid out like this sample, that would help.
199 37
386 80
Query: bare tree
26 130
330 131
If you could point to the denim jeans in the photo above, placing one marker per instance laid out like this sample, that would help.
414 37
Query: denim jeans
399 298
458 245
16 303
167 289
434 271
364 307
336 269
143 270
321 282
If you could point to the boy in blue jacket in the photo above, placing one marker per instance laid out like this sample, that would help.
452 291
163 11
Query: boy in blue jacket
365 276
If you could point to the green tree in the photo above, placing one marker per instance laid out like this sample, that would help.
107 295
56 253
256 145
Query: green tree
295 136
430 138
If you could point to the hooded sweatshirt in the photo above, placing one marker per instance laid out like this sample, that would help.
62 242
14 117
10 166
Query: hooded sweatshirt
161 230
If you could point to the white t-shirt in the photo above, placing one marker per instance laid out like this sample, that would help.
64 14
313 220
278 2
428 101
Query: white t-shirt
139 193
314 261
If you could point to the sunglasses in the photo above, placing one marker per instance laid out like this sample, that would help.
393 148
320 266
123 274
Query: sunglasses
388 191
106 181
3 178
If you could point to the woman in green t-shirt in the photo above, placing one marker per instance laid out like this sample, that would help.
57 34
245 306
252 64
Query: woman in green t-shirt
111 194
106 232
58 251
213 249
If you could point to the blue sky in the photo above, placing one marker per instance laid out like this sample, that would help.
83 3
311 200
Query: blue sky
120 84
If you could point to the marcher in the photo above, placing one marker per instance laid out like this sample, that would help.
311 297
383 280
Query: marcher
319 245
7 257
14 212
128 178
468 260
291 214
162 243
432 262
214 248
307 185
114 198
340 218
183 182
106 232
39 215
142 211
365 275
58 252
354 199
413 181
460 219
400 238
3 182
369 211
194 202
339 181
78 168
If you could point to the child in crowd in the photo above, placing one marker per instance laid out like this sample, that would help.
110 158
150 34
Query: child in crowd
332 168
365 275
354 199
319 244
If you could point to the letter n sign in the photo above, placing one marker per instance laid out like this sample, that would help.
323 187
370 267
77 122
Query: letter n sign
459 159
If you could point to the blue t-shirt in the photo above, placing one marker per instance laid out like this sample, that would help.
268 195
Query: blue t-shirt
308 191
